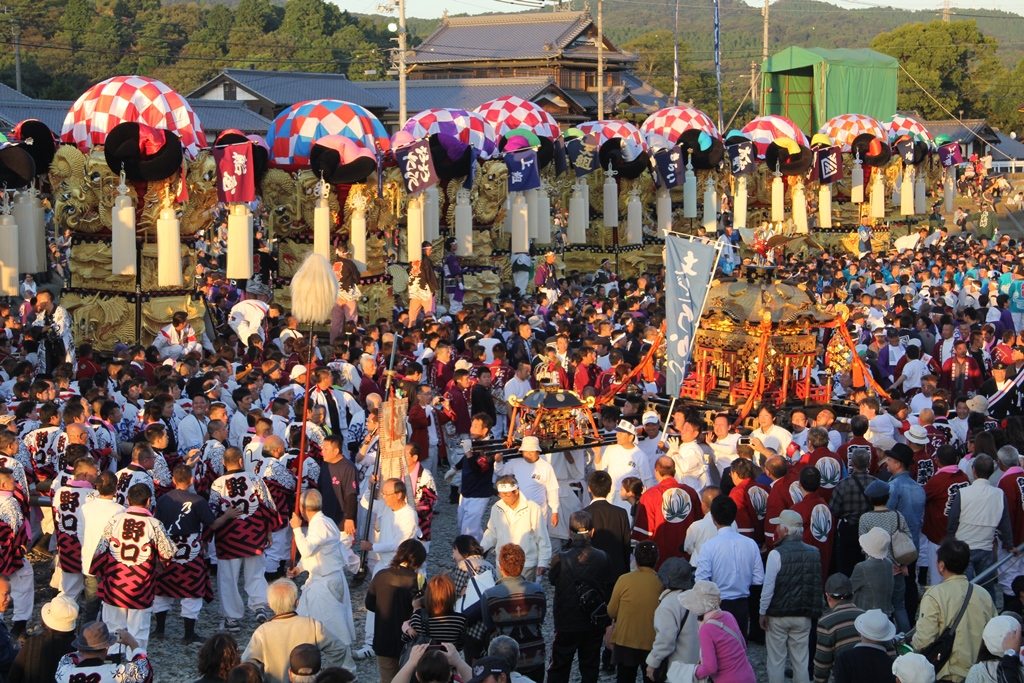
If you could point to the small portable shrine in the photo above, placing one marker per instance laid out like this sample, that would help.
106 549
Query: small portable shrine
558 417
756 343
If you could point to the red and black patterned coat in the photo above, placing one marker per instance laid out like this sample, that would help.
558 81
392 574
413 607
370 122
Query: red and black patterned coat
14 534
69 523
127 559
245 536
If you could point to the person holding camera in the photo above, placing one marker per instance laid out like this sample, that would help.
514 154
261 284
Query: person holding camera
89 661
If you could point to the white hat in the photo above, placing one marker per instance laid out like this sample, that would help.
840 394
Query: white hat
530 444
875 543
882 442
702 598
789 519
978 404
651 418
874 625
996 631
913 668
917 434
60 614
297 372
463 364
626 426
914 342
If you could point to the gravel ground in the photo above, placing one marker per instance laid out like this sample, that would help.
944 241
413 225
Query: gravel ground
174 661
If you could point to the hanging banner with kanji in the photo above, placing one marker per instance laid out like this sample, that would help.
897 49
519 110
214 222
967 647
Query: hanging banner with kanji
742 158
583 154
689 265
235 181
666 165
950 155
523 173
416 165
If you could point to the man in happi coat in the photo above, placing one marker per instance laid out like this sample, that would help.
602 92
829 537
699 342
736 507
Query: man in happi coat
15 535
280 481
137 472
188 520
69 522
348 292
127 564
423 286
241 543
210 463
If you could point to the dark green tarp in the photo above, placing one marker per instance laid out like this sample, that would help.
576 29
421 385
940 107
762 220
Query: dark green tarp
811 85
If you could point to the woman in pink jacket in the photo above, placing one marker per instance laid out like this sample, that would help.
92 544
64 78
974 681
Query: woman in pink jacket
723 650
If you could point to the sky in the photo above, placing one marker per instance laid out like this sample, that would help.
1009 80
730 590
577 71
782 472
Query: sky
434 8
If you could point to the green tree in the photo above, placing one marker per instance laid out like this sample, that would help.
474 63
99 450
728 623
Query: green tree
256 16
943 58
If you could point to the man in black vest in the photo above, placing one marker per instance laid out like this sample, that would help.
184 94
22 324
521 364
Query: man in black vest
790 599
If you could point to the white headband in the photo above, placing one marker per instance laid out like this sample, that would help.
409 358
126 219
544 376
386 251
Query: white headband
507 487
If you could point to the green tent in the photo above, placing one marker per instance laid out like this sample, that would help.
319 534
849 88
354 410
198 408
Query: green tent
811 85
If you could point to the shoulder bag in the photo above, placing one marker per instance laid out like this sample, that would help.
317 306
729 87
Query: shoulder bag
903 548
942 647
478 588
592 603
422 637
661 673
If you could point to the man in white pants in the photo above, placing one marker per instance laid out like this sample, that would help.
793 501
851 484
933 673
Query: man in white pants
325 595
394 522
246 319
12 561
127 565
241 542
67 502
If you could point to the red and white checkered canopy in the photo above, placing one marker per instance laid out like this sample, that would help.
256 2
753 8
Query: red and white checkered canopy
845 128
764 130
134 99
898 126
511 112
672 122
606 130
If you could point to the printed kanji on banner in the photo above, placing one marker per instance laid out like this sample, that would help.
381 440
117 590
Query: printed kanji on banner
742 157
666 165
416 165
235 177
583 155
905 148
950 155
523 173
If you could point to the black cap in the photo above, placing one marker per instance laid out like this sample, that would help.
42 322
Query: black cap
304 660
485 667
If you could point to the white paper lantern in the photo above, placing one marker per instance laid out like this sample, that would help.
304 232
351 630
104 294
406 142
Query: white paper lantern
857 182
415 216
585 193
322 223
431 214
122 236
29 216
239 265
531 197
825 205
168 242
358 234
9 255
877 207
920 195
634 220
710 207
907 192
689 192
949 188
543 216
520 224
611 202
664 209
800 208
778 199
577 225
463 223
739 203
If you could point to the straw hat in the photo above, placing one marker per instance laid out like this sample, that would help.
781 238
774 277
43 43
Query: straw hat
875 543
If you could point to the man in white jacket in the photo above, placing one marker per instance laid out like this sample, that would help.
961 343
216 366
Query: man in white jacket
178 338
515 519
393 523
325 596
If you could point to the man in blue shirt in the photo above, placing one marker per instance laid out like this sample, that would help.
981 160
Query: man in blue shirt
907 497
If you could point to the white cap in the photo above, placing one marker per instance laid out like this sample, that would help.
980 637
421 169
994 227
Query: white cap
917 434
913 668
463 364
530 444
651 418
626 426
297 371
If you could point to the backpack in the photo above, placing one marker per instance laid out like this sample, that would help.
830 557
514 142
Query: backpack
592 602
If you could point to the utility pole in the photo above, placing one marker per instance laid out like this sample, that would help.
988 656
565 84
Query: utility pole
16 30
600 60
753 85
764 53
675 61
402 108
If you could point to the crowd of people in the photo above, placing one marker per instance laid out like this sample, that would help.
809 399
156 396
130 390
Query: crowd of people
865 538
